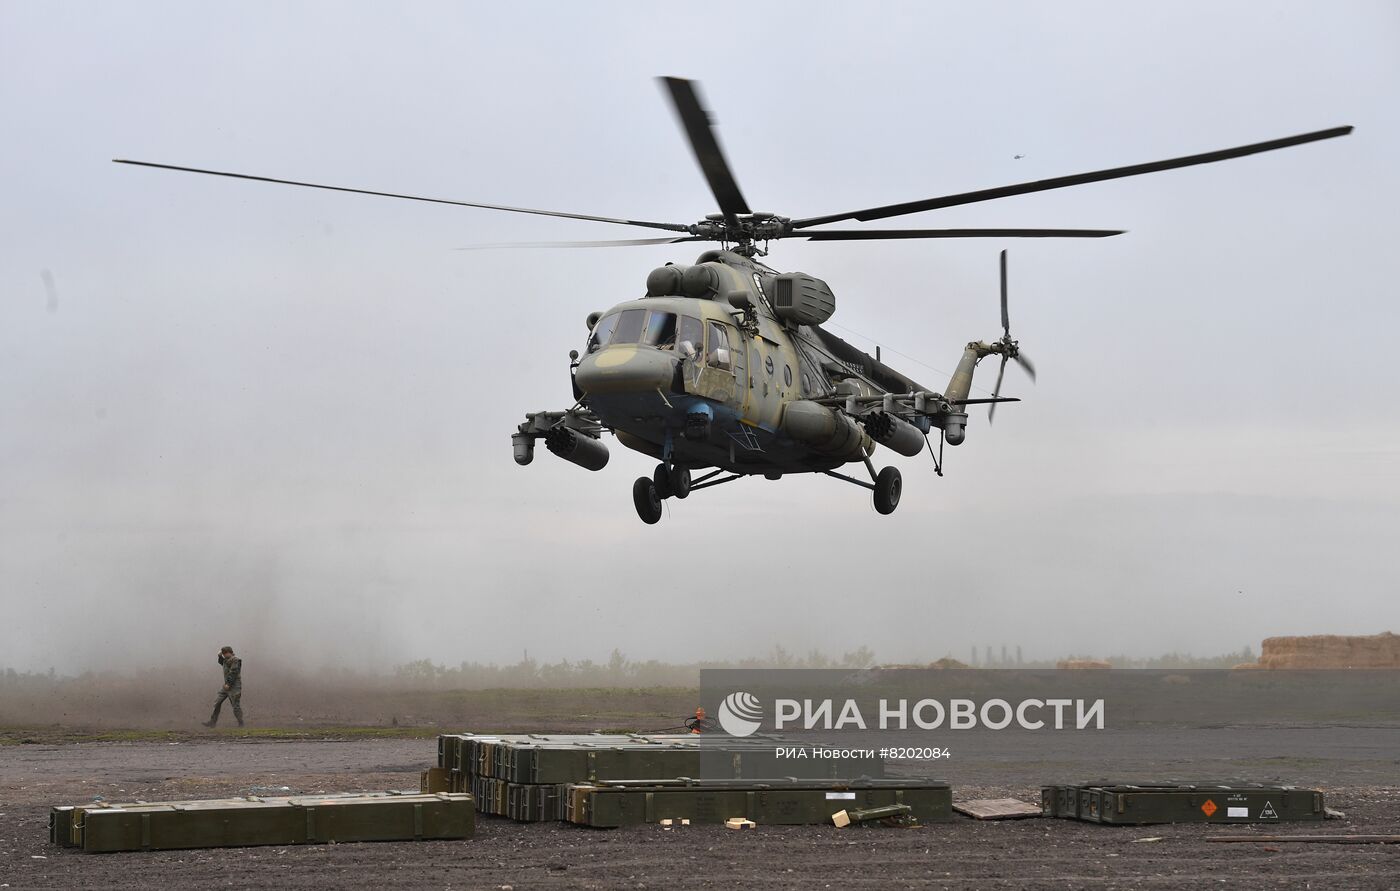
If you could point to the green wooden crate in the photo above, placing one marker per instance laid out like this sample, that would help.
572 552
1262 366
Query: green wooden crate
294 821
61 825
1200 803
534 802
522 776
789 802
66 822
1067 800
572 762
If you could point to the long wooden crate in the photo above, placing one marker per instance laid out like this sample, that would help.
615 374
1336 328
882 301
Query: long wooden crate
558 759
270 821
775 802
1142 803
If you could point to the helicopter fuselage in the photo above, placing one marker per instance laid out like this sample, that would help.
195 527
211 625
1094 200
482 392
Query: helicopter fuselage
712 381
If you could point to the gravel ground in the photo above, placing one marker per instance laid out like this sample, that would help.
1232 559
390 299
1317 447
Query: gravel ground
1363 781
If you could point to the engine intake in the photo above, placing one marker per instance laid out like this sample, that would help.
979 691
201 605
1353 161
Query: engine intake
801 299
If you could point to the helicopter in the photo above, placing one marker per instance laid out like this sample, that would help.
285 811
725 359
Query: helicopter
722 370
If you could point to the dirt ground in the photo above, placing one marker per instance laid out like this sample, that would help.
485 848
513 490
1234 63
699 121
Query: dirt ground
1359 767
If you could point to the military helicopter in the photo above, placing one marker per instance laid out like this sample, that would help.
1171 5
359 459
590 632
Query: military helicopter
722 369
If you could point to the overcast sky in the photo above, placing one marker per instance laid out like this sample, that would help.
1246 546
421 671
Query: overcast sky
279 418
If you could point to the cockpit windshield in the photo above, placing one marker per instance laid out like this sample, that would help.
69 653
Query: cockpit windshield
629 326
661 330
652 327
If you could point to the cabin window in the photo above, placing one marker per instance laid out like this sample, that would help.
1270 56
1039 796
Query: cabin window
690 329
661 330
719 340
787 375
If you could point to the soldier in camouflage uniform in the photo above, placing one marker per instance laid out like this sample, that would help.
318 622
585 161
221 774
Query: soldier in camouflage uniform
233 687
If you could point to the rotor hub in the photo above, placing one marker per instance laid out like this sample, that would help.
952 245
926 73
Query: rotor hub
742 229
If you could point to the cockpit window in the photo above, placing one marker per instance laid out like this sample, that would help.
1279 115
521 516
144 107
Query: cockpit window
629 326
654 327
661 330
602 332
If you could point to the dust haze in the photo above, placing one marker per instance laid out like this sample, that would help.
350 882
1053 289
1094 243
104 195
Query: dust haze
279 419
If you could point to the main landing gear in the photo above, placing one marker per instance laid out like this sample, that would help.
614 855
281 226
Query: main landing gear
666 482
888 485
671 481
647 500
675 482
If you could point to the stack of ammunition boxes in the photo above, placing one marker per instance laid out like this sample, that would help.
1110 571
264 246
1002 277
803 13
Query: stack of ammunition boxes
240 822
1135 802
526 777
611 803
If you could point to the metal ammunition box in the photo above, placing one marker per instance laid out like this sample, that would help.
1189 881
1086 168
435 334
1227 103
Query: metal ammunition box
286 821
774 802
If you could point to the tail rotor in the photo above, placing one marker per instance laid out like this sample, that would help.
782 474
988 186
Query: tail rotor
1008 348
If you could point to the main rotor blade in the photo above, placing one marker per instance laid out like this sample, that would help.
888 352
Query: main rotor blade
881 234
674 227
700 131
1005 319
895 210
626 242
996 391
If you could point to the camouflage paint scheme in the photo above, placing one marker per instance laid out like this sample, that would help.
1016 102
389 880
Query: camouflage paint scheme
645 394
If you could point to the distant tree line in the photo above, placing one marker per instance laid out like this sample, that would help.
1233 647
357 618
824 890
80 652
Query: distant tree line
617 671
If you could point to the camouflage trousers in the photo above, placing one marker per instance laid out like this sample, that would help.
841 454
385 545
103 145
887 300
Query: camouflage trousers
235 698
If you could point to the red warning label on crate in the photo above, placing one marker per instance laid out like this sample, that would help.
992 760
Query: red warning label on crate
1209 807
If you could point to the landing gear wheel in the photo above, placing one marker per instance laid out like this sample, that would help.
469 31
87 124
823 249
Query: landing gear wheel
888 486
661 479
672 483
647 501
679 481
